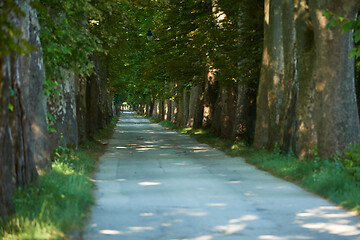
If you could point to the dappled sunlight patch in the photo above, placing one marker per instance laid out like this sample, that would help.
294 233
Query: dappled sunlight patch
187 212
273 237
180 163
249 194
139 229
330 219
244 218
120 147
142 149
111 232
229 229
234 182
149 183
221 175
324 212
95 180
196 214
333 228
120 180
205 237
146 214
216 204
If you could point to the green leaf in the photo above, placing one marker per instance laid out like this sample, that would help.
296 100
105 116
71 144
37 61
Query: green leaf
11 107
357 36
332 23
11 92
348 26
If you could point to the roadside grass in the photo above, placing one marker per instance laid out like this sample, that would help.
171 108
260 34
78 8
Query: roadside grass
336 179
59 201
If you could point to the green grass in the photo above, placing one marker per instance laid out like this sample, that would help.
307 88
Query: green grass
335 179
59 201
326 178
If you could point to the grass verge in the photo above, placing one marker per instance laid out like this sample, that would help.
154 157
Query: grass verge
331 179
59 201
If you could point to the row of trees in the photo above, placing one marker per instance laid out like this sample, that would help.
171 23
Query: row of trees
307 98
54 87
218 64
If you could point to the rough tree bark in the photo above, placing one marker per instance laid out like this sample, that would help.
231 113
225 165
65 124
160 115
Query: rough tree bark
63 108
6 151
195 107
224 111
337 121
305 47
288 123
81 110
23 130
262 107
183 108
98 97
245 114
276 71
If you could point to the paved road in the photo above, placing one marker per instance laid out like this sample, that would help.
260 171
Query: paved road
156 184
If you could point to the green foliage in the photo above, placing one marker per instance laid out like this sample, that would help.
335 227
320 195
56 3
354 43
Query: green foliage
66 39
351 161
189 41
50 123
11 41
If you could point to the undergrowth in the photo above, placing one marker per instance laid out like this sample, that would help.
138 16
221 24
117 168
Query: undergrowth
337 179
59 201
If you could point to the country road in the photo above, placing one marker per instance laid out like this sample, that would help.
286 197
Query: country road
156 184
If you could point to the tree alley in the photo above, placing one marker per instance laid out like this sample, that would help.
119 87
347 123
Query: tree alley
271 73
303 89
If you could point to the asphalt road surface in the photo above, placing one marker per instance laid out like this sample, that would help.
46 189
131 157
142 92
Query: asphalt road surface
156 184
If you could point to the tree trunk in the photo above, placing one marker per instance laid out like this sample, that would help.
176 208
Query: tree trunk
276 72
167 110
183 108
262 107
195 107
81 110
224 113
23 130
158 110
174 112
245 114
337 121
98 98
62 107
35 99
305 47
210 96
6 151
288 123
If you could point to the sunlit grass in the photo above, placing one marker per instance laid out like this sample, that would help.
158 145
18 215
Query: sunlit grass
323 177
59 201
